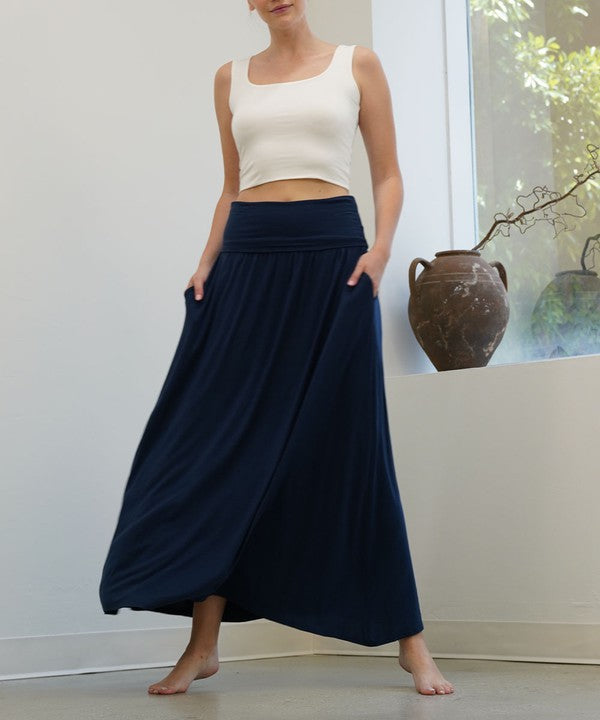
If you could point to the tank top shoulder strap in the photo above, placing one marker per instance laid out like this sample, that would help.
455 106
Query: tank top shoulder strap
342 62
238 68
341 70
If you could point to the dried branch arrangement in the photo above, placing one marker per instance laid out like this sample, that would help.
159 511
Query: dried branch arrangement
540 204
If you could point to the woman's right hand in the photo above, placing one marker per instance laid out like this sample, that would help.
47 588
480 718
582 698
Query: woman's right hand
198 279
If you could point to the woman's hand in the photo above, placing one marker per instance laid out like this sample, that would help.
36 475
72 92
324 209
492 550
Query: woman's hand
198 279
372 262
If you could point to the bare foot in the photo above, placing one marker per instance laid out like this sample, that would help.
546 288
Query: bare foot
414 657
192 665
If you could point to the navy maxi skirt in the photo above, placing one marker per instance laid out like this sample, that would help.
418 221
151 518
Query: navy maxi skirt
265 472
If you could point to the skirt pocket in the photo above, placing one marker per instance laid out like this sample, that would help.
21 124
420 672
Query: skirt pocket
189 292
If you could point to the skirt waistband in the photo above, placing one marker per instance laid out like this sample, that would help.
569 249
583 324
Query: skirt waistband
274 225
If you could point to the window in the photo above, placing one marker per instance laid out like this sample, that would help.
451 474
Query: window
535 74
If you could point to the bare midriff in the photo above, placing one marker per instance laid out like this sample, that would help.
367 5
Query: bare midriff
293 189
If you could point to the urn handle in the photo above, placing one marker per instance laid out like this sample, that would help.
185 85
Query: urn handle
501 271
412 269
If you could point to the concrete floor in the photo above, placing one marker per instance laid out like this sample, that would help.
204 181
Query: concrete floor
316 687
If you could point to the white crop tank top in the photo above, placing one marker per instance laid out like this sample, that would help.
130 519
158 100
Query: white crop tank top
297 129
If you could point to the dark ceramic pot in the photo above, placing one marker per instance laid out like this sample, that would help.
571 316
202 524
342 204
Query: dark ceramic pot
458 308
566 318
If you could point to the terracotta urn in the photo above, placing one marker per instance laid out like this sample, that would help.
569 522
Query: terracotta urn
458 308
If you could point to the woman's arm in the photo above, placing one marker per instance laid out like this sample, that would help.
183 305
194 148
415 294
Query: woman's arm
231 179
376 122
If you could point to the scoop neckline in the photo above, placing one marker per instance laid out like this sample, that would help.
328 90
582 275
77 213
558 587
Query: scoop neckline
289 82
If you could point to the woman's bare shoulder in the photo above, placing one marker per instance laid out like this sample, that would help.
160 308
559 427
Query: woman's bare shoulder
223 72
367 70
366 60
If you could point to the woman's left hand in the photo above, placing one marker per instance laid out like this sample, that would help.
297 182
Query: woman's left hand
372 262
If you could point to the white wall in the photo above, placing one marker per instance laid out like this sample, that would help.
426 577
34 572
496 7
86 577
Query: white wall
111 168
409 39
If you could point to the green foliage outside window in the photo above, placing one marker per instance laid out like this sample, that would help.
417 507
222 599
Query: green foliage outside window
536 80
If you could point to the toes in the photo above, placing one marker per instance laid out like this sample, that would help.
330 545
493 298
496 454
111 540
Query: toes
440 690
444 689
160 690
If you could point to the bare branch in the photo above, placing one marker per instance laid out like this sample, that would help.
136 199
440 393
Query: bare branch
503 221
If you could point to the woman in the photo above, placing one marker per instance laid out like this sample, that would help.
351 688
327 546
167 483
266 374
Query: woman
263 485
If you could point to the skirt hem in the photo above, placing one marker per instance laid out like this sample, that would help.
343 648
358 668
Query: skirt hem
369 640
